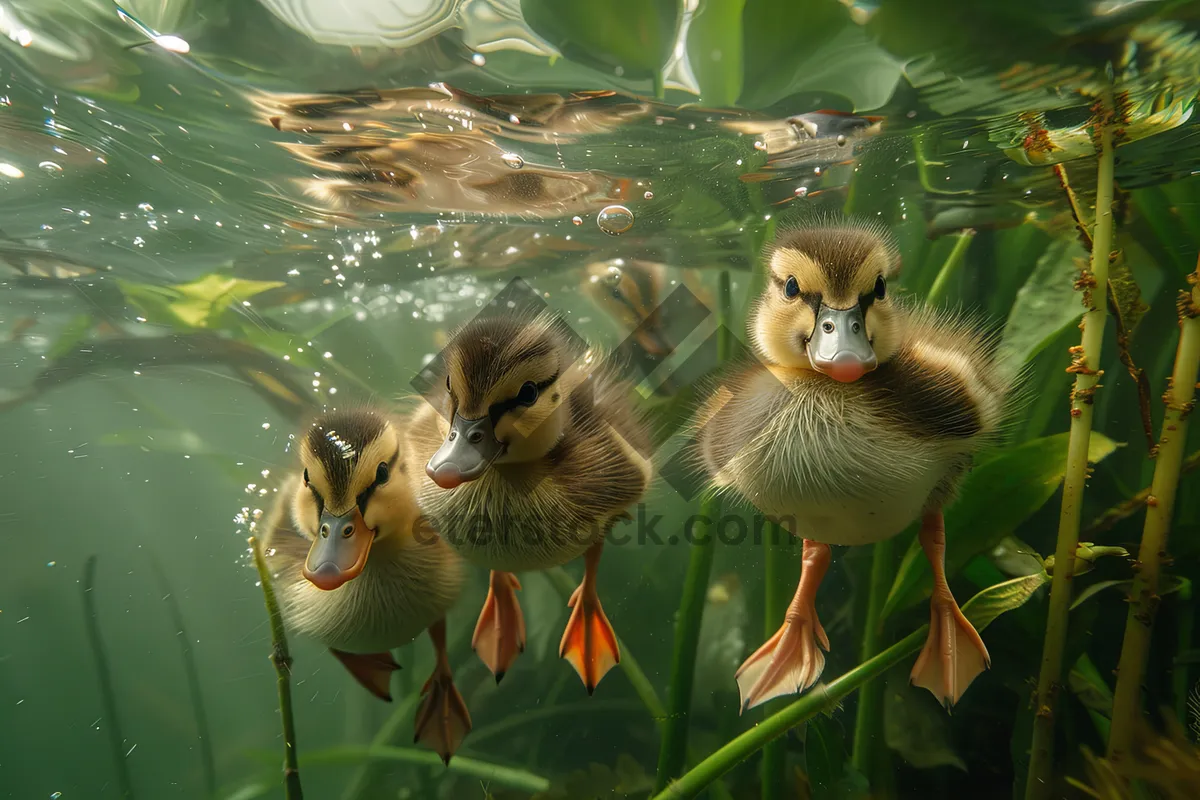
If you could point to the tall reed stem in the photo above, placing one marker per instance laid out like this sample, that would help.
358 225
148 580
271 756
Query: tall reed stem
773 769
867 728
1144 599
283 671
672 754
1086 366
108 696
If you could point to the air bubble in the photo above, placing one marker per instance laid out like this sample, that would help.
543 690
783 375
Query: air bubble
841 140
649 195
614 220
801 191
577 220
760 145
513 160
51 167
478 60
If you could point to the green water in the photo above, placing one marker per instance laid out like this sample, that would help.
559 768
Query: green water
200 250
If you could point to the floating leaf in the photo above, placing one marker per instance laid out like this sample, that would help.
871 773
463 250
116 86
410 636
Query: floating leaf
633 35
996 497
715 50
199 304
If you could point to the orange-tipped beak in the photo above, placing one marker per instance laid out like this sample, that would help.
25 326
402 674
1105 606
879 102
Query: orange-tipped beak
339 553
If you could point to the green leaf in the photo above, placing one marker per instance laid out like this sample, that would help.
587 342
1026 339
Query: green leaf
72 334
985 607
1171 584
188 306
634 35
715 50
1047 303
794 46
996 497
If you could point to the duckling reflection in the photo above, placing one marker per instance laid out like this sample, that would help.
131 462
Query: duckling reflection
538 459
862 416
352 568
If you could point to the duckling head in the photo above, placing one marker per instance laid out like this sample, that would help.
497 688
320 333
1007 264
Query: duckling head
826 305
507 394
352 494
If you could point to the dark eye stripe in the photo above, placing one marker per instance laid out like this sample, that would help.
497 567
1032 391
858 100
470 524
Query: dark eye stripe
498 410
366 493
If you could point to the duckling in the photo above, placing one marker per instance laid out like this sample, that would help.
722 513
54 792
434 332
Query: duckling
357 569
861 415
534 452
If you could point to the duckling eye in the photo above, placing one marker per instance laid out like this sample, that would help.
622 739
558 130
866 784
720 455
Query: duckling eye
528 394
827 326
381 473
880 287
791 288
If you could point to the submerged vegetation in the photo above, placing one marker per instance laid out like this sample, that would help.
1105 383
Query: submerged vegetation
1038 171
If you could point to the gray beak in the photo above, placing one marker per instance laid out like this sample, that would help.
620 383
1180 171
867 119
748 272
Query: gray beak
839 346
468 450
339 551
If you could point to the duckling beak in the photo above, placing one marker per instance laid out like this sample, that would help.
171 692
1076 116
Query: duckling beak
339 552
468 450
839 346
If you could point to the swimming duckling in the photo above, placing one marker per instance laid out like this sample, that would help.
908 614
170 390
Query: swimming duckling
357 569
861 416
534 451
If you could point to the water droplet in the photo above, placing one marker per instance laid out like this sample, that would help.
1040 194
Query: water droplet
55 796
649 195
478 60
760 145
801 191
513 160
50 166
614 220
576 220
9 171
841 140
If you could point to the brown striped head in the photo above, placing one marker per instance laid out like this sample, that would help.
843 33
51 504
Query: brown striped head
353 492
826 305
506 383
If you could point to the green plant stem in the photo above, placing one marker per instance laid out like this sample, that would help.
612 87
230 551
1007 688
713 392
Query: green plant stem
774 760
388 733
1144 599
283 671
981 610
1085 365
949 267
672 753
192 677
519 779
1180 673
796 712
867 730
108 696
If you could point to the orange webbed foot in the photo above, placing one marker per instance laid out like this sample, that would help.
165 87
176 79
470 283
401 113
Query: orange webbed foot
372 670
954 654
789 662
442 718
589 643
500 633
